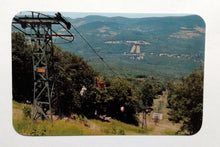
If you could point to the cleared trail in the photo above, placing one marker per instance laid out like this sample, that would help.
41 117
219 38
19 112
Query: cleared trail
164 126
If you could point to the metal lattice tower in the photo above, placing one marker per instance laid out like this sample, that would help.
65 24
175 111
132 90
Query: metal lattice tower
145 110
38 27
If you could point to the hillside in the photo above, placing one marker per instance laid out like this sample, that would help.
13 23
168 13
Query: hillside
176 44
83 126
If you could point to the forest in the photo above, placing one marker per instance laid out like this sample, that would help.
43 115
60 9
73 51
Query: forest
71 73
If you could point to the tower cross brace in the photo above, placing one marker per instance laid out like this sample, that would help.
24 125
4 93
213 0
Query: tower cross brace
41 35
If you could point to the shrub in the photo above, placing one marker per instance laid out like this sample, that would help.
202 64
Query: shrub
121 132
27 111
38 132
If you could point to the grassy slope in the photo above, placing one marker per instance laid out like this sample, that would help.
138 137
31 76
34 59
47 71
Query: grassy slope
25 126
164 125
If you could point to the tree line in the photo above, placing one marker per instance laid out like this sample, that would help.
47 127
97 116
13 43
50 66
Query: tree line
185 100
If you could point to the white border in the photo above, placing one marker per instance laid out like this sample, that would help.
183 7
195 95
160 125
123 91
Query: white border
207 9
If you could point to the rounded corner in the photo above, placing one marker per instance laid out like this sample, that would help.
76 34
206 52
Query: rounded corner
199 130
202 19
14 129
17 13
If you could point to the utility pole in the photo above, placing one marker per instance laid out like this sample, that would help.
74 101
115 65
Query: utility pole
145 111
39 28
144 121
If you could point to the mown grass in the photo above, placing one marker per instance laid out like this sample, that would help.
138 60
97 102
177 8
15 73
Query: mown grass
165 127
81 126
118 128
25 126
169 132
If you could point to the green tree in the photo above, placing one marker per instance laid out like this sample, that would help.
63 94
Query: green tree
22 68
149 91
185 101
71 74
123 95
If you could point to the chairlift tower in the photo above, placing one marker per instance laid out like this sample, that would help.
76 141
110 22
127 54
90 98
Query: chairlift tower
39 28
145 110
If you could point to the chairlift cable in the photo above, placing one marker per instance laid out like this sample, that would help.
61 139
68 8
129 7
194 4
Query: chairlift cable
90 46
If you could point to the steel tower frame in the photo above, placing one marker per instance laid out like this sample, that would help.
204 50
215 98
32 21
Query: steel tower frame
41 35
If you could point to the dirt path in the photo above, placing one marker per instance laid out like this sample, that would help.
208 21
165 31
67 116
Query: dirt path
164 127
168 126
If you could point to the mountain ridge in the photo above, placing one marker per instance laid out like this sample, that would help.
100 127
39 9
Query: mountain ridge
176 44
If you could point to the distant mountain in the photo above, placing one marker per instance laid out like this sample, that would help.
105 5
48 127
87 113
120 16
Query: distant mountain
176 44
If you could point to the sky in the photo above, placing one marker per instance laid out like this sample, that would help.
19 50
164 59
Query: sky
129 15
